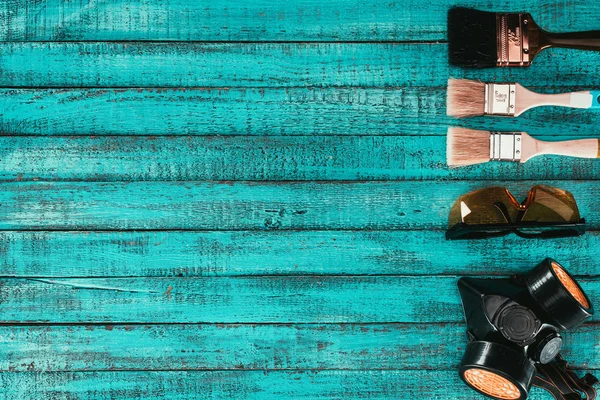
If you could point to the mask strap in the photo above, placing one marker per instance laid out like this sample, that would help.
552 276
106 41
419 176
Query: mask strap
558 379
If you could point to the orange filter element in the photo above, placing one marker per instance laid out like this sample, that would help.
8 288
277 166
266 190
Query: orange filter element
569 284
492 384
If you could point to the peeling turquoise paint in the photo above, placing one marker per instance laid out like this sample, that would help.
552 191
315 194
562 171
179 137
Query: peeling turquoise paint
216 199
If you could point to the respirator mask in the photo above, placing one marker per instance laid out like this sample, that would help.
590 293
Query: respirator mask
514 331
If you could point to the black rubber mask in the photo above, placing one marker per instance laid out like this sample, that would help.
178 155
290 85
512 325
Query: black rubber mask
514 330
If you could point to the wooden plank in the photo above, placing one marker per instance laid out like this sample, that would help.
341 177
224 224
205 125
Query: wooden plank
272 158
146 64
264 111
268 299
251 205
177 253
333 20
260 385
252 347
232 111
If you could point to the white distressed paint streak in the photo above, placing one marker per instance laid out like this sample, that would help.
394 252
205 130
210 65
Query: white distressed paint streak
76 285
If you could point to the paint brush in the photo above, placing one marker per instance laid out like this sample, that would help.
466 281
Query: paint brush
468 98
481 39
468 147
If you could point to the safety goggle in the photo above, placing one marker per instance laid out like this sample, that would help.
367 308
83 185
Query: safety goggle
547 212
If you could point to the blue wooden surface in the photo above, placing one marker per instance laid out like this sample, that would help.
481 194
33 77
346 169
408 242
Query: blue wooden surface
217 199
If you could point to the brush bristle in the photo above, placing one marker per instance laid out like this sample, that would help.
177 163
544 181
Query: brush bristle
467 147
466 98
472 38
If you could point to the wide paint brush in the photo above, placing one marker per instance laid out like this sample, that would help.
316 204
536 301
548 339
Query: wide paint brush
468 98
468 147
481 39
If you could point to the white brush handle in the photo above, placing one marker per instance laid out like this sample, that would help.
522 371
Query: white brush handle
574 99
526 99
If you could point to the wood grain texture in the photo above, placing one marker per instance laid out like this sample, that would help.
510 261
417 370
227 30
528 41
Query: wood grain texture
267 299
252 20
216 199
240 253
180 65
231 111
252 347
251 205
272 158
266 111
259 385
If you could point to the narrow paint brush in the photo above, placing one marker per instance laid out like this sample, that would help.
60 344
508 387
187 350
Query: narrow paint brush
481 39
468 147
468 98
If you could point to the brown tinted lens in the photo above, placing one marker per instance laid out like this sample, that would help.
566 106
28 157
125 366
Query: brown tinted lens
550 204
492 384
569 284
478 207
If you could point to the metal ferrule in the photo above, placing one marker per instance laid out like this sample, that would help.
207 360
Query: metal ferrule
512 40
500 99
505 146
